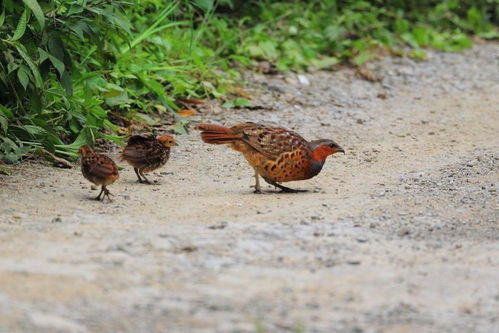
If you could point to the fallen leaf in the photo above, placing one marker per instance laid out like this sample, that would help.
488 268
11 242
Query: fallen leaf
196 101
368 75
160 108
241 93
187 112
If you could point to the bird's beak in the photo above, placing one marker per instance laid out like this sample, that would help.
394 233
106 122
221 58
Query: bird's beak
340 150
176 144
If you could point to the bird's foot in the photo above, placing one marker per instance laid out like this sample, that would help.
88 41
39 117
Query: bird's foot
285 189
108 195
258 189
146 181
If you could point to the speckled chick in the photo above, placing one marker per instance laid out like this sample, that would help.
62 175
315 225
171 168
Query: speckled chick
98 169
146 153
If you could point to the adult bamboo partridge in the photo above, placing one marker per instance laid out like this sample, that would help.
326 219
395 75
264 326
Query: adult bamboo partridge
275 153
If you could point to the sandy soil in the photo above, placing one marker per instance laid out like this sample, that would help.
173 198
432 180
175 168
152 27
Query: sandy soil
400 234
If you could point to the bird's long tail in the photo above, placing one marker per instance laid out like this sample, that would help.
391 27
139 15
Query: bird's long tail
216 134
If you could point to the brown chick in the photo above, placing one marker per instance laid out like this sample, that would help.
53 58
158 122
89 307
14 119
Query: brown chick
275 153
99 169
146 153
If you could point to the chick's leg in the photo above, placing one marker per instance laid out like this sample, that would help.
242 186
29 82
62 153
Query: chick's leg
100 193
106 193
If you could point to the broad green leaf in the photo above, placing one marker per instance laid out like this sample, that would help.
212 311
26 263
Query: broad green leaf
2 18
417 54
363 57
34 69
67 83
23 77
6 112
34 130
489 35
325 62
21 26
37 11
152 28
242 102
179 128
56 46
4 124
146 118
59 65
228 104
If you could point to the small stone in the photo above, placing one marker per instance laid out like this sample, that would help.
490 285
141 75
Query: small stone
404 232
303 80
57 219
222 225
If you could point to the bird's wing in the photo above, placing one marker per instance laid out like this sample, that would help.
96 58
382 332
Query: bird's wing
102 166
273 141
137 139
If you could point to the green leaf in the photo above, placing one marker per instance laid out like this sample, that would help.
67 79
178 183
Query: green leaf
114 94
56 46
489 35
37 11
21 26
67 83
4 123
417 54
146 118
179 128
325 62
228 104
23 77
242 102
34 130
34 69
58 64
2 17
6 112
363 57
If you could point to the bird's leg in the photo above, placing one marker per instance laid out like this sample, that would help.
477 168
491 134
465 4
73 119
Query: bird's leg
145 180
138 175
106 193
98 198
283 188
257 186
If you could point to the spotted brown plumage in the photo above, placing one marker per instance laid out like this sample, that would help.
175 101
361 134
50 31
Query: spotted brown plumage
146 153
277 154
98 169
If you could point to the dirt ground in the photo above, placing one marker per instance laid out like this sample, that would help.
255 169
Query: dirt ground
400 234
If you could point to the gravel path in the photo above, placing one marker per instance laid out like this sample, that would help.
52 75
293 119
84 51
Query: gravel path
400 234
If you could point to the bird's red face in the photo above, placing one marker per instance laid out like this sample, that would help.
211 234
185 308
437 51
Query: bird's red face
85 150
167 141
321 149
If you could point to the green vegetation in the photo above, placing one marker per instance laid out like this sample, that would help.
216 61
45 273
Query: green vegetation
72 71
